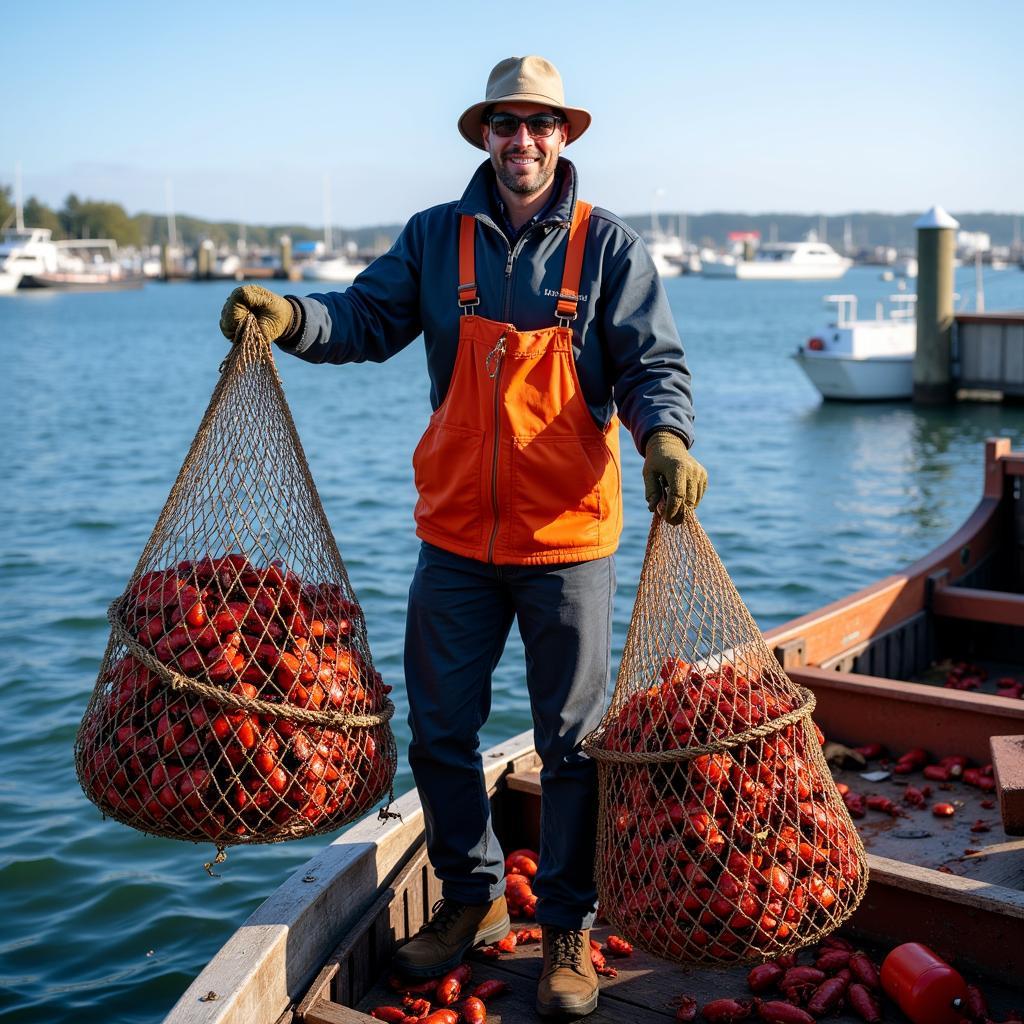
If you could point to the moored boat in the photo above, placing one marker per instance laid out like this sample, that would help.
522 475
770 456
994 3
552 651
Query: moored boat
782 261
9 281
24 252
83 265
317 950
335 267
667 252
863 360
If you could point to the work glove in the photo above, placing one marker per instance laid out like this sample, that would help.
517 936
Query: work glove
672 475
273 312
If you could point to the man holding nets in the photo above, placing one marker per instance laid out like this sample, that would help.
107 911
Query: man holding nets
544 321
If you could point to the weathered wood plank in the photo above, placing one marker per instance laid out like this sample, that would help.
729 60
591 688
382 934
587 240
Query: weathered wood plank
326 1012
922 839
977 925
372 939
320 989
1008 762
859 709
524 782
979 605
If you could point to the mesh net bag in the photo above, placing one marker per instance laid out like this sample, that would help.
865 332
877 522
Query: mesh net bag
721 835
237 700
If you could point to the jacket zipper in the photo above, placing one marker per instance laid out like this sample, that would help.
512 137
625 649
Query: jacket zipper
513 252
497 354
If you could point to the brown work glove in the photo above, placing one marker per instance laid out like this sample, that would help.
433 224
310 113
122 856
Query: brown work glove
672 475
273 312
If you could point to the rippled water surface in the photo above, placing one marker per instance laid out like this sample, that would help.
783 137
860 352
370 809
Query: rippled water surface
101 397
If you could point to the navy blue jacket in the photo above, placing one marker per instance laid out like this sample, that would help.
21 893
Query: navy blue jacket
626 346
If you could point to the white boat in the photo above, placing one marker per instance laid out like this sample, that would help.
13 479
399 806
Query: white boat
667 252
330 264
782 261
228 267
863 360
84 264
332 267
906 267
24 252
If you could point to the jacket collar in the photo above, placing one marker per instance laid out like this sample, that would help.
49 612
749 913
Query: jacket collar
476 200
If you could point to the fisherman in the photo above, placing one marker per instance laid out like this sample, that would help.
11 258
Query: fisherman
544 321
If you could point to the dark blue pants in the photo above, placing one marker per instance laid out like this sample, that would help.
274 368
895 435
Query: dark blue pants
460 614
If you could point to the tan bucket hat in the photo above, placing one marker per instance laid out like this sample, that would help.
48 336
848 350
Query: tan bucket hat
523 80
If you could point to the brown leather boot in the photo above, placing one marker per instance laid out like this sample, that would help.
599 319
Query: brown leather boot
453 929
568 981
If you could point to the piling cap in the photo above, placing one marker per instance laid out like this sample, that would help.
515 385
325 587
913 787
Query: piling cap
936 217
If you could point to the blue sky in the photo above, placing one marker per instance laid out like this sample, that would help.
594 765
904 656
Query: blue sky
810 107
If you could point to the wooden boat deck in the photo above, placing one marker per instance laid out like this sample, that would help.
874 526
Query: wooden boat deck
643 993
943 844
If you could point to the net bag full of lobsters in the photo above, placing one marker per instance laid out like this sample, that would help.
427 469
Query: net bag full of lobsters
721 836
237 700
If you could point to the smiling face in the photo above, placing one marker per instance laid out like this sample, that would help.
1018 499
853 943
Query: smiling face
523 164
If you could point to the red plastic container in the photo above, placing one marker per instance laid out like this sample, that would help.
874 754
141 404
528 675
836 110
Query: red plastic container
926 988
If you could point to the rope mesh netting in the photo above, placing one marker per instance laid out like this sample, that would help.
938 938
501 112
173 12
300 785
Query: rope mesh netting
722 837
237 700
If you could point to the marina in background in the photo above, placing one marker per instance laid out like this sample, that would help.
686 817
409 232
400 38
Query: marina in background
718 245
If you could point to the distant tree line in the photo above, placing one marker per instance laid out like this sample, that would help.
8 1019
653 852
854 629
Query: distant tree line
90 218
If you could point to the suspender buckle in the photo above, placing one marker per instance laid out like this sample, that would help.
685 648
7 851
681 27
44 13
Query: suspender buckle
565 308
471 299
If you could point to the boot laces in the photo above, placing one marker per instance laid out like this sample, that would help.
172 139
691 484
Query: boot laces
566 948
443 914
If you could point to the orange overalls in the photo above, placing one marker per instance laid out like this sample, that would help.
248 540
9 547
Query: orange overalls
512 468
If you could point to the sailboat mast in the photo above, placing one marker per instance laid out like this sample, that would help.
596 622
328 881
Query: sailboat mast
19 213
172 229
328 240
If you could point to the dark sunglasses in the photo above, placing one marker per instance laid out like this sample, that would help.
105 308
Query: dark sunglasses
540 126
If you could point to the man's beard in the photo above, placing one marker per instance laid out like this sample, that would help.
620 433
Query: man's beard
523 185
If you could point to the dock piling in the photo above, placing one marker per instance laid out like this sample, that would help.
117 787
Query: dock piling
936 245
286 257
204 260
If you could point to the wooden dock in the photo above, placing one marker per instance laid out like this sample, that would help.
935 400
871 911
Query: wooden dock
988 353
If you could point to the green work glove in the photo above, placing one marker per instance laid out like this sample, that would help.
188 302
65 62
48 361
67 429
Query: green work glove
273 312
672 475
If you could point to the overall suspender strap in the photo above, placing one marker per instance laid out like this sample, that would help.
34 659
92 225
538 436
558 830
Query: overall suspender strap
468 296
569 294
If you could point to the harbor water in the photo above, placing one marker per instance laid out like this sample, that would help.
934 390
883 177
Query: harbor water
101 396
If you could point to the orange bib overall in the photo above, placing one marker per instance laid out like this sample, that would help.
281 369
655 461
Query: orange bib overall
512 468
